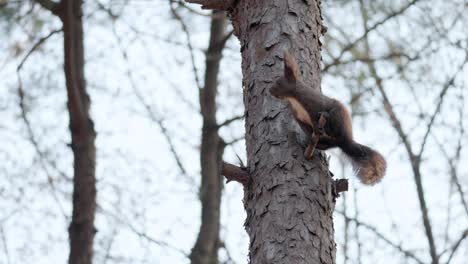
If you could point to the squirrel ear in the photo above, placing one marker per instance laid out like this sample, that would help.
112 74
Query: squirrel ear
291 69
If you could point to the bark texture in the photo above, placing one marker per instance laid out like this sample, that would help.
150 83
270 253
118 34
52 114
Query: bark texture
81 230
289 202
206 247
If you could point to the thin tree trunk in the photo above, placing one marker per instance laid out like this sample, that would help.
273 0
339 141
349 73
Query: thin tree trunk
205 250
81 230
289 202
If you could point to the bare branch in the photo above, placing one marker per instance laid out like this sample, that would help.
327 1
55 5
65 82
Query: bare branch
214 4
453 169
189 44
226 38
378 234
183 4
229 259
456 245
5 245
148 108
341 185
357 232
235 140
367 59
235 173
442 93
367 31
230 120
141 234
42 156
50 5
35 46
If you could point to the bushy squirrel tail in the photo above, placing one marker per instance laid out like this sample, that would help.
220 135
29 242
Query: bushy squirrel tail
369 164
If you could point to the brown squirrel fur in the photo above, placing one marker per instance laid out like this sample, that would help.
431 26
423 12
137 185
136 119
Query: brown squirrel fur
327 121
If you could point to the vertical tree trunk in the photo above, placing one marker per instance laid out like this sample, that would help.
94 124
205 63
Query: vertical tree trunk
206 247
289 203
81 230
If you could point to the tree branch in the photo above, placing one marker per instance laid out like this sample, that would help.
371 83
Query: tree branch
189 44
230 120
374 230
50 5
366 32
214 4
151 114
341 185
35 46
235 173
439 104
457 245
42 156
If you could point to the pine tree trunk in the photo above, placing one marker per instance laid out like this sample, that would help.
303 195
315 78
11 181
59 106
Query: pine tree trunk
289 202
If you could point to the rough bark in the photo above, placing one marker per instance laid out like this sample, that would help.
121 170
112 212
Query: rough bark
289 202
205 250
81 230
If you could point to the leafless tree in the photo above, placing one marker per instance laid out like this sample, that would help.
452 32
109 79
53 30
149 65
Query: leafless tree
81 230
205 250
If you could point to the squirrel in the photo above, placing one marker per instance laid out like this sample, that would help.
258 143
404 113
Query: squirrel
327 121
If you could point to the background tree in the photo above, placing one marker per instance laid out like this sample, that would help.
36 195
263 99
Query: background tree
205 250
81 230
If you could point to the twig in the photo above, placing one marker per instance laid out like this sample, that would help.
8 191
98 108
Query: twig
367 31
357 231
235 140
142 234
229 259
378 234
230 120
439 104
456 245
5 245
182 3
453 169
148 108
32 138
189 44
35 46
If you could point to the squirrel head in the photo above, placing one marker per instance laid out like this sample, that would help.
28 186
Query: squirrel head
286 85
